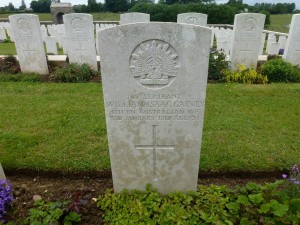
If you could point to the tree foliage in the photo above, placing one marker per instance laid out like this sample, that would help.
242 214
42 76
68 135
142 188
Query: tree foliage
41 6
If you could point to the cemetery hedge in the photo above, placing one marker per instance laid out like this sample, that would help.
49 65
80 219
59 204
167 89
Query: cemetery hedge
52 126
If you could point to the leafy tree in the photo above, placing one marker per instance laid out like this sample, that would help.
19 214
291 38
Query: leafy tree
41 6
23 5
117 5
11 7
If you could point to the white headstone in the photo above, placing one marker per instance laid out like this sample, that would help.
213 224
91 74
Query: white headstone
192 18
80 39
2 33
271 39
44 32
247 32
262 44
29 44
154 83
282 41
51 45
134 18
10 33
292 48
223 40
274 48
2 174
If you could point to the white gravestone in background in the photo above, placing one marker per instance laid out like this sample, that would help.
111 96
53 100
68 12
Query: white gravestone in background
51 45
262 44
154 84
282 41
80 39
29 44
134 18
2 174
10 33
292 48
247 32
274 48
271 39
192 18
2 33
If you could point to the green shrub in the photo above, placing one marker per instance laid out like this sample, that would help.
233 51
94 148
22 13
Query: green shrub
296 74
217 66
244 75
251 204
26 77
51 213
73 73
277 70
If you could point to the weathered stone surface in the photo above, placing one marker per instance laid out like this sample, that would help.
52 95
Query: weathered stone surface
154 83
29 44
282 41
292 48
247 32
192 18
274 48
134 17
10 33
51 45
2 33
80 39
262 43
271 39
2 175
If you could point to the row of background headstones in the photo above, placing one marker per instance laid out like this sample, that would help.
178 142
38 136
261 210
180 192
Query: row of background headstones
61 34
222 36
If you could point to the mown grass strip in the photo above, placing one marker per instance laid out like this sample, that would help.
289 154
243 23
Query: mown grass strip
62 126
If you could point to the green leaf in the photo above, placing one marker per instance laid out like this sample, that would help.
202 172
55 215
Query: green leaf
233 207
242 199
244 221
278 209
256 198
295 204
264 208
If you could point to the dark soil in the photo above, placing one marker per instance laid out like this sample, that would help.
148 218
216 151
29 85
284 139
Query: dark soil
58 186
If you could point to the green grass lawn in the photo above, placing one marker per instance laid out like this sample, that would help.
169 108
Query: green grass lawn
280 23
62 126
7 49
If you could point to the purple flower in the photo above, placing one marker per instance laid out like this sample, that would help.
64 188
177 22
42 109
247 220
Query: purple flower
284 176
5 196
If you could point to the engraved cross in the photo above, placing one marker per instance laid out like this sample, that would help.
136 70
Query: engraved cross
81 49
154 147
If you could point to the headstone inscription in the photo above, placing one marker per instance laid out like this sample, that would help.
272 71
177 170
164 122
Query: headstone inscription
292 48
192 18
126 18
247 32
154 84
29 44
80 39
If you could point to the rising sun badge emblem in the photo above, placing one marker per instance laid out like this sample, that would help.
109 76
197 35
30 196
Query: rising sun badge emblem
154 64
